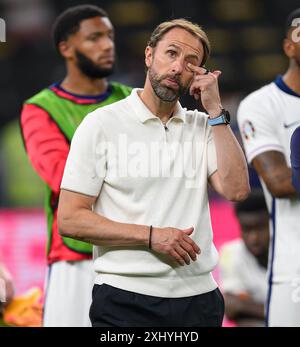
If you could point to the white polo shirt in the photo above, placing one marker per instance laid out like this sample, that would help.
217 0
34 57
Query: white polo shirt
142 173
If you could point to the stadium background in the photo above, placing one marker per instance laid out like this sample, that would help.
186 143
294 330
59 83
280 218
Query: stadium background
246 38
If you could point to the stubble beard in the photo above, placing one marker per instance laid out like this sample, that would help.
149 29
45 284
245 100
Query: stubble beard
163 92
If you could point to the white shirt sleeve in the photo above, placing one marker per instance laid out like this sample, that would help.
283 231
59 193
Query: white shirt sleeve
258 125
230 278
86 163
211 155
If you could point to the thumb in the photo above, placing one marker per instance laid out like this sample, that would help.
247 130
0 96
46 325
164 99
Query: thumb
217 73
188 231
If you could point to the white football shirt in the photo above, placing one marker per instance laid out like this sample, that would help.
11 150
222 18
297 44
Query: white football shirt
267 119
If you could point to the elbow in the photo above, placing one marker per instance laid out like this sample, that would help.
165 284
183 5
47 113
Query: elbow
62 227
242 195
278 192
239 195
63 224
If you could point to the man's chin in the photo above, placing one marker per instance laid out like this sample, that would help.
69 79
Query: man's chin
101 73
106 67
171 89
256 252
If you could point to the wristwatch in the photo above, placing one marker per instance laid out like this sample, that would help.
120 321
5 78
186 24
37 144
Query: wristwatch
223 118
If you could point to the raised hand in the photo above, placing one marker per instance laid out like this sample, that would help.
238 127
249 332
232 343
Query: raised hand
205 86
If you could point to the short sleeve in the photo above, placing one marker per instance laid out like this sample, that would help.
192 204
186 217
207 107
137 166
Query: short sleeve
85 168
230 279
211 155
258 126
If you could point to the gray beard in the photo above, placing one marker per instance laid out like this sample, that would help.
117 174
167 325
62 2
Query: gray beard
164 93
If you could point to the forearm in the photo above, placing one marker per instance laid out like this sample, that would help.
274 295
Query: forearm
236 308
85 225
77 220
277 176
232 166
281 185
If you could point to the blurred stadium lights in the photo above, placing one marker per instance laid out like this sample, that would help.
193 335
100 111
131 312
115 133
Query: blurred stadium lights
237 10
265 66
126 13
222 41
260 39
137 41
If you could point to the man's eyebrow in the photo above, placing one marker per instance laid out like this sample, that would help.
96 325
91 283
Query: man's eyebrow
175 46
99 32
189 55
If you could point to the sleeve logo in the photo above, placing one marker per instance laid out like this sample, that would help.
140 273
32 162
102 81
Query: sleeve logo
248 130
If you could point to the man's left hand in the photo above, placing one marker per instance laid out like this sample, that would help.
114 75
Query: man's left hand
205 87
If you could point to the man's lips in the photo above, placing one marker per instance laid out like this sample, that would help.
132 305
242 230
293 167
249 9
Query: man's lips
107 59
172 82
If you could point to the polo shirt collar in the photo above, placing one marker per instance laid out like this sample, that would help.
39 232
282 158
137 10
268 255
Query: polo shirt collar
143 113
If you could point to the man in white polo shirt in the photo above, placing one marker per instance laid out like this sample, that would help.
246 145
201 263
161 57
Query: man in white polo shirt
135 185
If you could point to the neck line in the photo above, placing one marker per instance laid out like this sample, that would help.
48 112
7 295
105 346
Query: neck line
100 96
284 87
154 103
81 99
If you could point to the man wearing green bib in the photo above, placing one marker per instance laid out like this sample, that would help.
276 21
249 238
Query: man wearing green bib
84 37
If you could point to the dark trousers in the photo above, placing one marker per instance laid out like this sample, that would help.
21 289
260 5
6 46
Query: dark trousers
114 307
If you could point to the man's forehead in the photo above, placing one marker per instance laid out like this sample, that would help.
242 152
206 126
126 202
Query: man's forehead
95 24
254 217
184 46
184 40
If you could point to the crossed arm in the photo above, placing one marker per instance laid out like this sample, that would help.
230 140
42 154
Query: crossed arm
272 168
238 309
77 220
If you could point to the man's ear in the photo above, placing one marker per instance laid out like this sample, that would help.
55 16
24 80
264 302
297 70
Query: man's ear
289 48
66 49
148 56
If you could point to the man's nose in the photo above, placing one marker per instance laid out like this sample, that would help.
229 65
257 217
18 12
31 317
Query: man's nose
177 66
253 236
107 44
